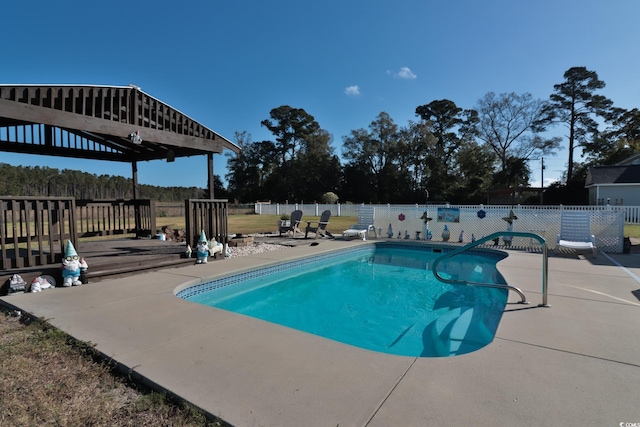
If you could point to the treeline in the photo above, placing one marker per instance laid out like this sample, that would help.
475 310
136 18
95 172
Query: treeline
447 154
44 181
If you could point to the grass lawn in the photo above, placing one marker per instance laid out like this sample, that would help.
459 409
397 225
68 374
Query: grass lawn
251 224
632 230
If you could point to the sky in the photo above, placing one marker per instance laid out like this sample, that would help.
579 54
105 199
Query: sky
228 63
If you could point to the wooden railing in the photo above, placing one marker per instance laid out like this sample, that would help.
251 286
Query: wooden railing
112 217
210 216
34 231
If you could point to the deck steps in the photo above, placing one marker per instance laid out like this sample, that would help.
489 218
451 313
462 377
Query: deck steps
111 259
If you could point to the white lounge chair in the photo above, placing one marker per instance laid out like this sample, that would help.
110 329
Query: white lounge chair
364 225
575 232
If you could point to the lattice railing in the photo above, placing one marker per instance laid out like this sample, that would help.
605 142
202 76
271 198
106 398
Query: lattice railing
607 223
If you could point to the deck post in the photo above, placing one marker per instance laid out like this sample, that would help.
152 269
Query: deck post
208 215
136 205
210 175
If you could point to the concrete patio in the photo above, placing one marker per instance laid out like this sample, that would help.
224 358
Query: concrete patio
576 363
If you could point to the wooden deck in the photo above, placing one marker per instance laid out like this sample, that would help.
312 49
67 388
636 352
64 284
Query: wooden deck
112 258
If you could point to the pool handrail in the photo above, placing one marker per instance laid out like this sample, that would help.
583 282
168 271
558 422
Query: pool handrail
493 236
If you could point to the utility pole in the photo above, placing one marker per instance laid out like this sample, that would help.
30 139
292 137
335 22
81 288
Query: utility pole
541 181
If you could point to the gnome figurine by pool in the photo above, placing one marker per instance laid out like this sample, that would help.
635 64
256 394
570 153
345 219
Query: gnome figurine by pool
202 249
70 266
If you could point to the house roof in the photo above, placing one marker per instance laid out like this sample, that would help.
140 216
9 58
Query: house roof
632 160
600 175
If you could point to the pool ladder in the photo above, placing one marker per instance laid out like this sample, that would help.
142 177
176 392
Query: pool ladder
494 236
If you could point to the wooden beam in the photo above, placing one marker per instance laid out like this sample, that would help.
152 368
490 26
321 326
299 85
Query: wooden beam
35 114
18 147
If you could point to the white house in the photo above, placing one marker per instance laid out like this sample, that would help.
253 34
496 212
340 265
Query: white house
615 185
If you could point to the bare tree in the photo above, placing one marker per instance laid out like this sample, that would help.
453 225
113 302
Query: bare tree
508 123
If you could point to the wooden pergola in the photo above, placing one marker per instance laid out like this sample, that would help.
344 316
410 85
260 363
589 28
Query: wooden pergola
113 123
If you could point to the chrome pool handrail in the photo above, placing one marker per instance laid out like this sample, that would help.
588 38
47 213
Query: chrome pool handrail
493 236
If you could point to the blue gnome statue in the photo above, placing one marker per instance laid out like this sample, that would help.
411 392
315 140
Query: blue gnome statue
446 234
202 249
70 266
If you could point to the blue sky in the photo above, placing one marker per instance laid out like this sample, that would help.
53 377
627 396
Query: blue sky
228 63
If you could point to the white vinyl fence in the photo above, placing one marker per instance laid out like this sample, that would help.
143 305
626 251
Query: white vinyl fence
476 221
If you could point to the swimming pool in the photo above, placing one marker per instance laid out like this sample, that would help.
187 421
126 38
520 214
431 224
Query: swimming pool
381 297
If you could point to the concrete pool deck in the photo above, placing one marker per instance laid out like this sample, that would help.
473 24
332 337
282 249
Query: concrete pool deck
576 363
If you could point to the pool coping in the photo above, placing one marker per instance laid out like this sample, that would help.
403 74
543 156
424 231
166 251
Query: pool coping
575 363
186 290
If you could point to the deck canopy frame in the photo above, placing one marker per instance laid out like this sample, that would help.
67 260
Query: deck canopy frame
112 123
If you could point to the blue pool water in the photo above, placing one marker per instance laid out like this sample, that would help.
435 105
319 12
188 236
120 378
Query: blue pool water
381 297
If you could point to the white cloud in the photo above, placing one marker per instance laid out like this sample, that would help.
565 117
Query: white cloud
352 90
405 73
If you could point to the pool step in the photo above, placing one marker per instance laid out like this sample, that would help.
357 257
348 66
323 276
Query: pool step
455 333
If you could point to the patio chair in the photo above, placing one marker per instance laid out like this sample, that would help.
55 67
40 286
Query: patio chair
321 228
575 232
294 224
364 225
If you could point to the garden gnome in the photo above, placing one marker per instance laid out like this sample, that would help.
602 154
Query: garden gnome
215 247
509 219
83 271
446 234
461 237
187 253
202 249
16 284
70 266
508 239
390 231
